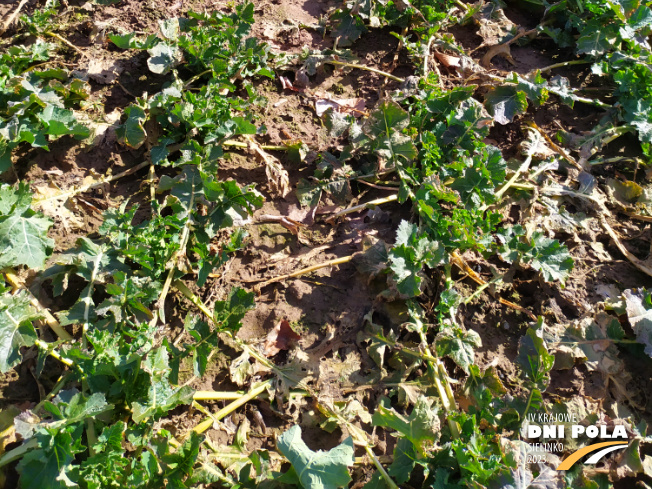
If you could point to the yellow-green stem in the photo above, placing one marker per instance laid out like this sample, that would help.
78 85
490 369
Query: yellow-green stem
240 144
388 480
216 396
225 411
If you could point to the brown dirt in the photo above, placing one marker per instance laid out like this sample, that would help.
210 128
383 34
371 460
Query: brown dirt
327 307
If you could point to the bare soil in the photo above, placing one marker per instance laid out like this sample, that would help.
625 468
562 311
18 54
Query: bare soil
326 307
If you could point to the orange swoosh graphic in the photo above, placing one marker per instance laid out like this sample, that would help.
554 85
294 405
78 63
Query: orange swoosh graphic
574 457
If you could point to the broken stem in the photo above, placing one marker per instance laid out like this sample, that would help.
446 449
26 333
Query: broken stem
239 144
13 16
216 395
368 205
555 146
480 289
388 480
638 216
565 63
366 68
66 42
304 271
84 188
18 452
196 77
48 318
523 168
54 354
225 411
183 241
181 287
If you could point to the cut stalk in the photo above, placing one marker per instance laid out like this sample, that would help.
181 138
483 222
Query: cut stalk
18 452
66 42
13 16
196 77
181 287
304 271
521 169
54 354
388 480
225 411
84 188
565 63
480 289
48 318
216 396
240 144
368 205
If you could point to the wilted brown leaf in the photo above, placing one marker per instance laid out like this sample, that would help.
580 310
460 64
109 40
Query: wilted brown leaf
104 71
56 208
355 106
280 338
277 176
447 60
493 25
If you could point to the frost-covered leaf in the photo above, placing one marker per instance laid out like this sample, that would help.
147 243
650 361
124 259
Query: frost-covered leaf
23 233
163 57
228 314
50 465
349 28
550 257
421 427
640 317
132 131
596 40
58 122
161 395
16 329
413 250
534 359
317 470
384 127
130 41
546 255
493 25
459 345
505 103
560 86
241 369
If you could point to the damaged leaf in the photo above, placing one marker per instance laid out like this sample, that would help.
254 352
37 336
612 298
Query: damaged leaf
282 337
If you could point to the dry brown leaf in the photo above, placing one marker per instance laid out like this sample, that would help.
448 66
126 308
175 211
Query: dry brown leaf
287 222
447 60
277 176
354 106
104 71
500 50
301 79
282 337
56 208
304 215
494 26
